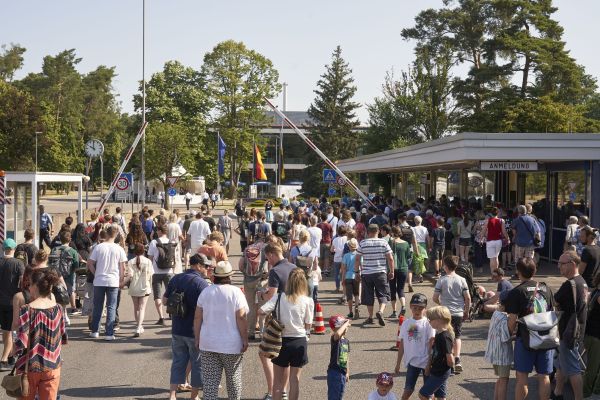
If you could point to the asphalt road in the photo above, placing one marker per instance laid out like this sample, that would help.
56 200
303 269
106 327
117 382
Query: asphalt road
138 368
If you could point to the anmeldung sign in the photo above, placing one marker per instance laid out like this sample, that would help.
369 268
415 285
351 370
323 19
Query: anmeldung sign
509 166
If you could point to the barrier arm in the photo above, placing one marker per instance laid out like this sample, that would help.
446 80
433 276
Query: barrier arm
319 152
111 188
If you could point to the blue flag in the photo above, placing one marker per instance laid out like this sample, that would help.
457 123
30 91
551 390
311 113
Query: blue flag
222 147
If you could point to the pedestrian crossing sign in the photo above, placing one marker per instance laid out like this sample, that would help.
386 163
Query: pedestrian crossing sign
329 176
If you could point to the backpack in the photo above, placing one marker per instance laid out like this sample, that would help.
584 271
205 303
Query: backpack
166 255
21 254
540 326
61 260
176 304
253 260
281 229
304 262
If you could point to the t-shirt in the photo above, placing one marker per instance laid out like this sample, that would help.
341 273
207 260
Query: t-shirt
173 232
28 248
349 259
373 252
327 232
564 299
442 346
198 231
11 271
219 332
192 283
494 229
421 234
292 315
338 358
439 237
315 240
211 222
415 335
503 285
279 274
153 255
214 250
338 246
592 327
591 257
107 256
518 299
525 226
452 290
281 229
402 253
374 395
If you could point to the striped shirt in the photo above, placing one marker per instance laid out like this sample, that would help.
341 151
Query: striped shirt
499 350
373 252
47 333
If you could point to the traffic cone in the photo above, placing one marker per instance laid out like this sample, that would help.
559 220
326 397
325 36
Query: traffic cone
318 323
400 321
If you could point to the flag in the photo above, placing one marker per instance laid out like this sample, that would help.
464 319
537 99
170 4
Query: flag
221 155
281 170
259 167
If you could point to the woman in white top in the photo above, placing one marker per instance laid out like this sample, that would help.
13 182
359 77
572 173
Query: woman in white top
295 312
346 220
297 227
465 233
139 270
175 235
571 236
221 333
337 248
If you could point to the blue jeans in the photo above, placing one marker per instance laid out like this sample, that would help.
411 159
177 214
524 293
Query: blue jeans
100 292
336 383
435 385
412 376
184 351
336 274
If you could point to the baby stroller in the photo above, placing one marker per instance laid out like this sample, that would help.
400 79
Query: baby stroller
465 269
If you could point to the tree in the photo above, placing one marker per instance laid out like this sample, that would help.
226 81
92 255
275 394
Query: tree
333 115
11 60
238 79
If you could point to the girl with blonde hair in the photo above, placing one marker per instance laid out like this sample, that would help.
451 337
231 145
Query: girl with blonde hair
441 361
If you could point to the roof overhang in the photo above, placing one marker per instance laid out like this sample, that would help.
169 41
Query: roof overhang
467 150
58 177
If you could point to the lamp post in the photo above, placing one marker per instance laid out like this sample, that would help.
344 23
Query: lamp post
143 172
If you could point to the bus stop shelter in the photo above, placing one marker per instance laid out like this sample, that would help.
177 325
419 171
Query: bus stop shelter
559 173
23 189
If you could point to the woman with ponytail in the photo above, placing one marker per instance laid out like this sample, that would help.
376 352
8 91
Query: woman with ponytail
139 270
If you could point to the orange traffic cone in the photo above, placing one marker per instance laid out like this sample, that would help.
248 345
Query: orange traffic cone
400 321
318 323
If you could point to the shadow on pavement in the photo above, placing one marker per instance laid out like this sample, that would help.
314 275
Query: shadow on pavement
112 391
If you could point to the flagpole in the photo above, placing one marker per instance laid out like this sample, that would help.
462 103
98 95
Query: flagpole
253 159
218 162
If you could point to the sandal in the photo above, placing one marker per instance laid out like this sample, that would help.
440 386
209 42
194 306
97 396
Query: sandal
186 387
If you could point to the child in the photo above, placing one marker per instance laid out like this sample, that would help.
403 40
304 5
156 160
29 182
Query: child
452 292
316 277
441 362
415 340
349 282
384 383
337 248
337 372
438 245
499 351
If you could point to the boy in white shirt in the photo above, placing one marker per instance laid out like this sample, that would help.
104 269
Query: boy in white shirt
415 338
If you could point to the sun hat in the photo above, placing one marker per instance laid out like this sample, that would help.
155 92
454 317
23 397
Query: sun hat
335 321
223 269
9 244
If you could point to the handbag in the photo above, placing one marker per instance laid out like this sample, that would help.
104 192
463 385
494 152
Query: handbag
17 385
271 341
61 294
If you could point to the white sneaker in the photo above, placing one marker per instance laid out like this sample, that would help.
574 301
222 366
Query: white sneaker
94 335
67 320
110 338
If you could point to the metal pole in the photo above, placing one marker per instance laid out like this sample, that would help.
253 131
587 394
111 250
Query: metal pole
101 176
87 184
276 166
218 158
143 172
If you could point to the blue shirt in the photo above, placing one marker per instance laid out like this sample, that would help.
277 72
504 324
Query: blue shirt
349 261
45 220
192 283
526 229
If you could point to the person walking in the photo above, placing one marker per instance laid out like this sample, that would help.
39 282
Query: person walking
524 230
254 267
376 266
26 250
140 272
479 246
188 198
107 262
46 229
11 273
465 233
220 331
591 378
198 232
190 283
159 252
175 236
295 309
495 234
40 336
224 225
402 254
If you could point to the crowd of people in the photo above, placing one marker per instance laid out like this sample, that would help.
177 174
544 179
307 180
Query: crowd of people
371 252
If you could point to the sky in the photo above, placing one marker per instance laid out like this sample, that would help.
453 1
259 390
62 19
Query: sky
298 37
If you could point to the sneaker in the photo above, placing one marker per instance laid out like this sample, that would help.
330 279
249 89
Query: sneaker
110 338
380 319
356 313
350 316
267 397
369 321
457 366
160 321
410 288
94 335
5 366
116 327
75 311
393 315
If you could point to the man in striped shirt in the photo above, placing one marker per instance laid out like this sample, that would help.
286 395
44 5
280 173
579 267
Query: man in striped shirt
375 267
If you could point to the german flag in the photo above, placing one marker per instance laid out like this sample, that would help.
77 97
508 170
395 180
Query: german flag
259 167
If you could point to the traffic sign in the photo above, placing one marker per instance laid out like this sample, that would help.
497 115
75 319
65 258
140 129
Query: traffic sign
172 180
122 183
329 175
172 192
331 191
340 181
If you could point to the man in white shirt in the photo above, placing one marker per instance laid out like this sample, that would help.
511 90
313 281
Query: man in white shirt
198 232
315 236
161 277
188 198
107 263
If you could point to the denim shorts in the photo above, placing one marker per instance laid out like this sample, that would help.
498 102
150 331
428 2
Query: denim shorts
185 351
336 383
435 385
568 360
525 359
412 376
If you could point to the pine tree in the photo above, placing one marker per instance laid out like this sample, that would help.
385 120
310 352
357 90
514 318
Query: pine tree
333 121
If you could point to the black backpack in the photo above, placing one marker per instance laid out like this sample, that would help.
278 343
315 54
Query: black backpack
176 304
166 255
21 254
61 260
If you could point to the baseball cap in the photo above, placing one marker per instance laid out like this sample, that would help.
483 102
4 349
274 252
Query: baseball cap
335 321
418 299
200 259
385 378
9 244
363 211
223 269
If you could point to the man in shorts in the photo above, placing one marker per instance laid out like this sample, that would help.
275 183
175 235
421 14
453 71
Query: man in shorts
375 264
524 230
452 291
161 277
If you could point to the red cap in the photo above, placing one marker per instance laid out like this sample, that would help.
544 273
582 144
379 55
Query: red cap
335 321
385 378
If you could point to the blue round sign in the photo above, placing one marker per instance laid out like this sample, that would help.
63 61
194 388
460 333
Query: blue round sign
331 191
172 191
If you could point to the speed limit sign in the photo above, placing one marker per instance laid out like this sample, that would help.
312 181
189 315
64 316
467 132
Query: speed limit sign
340 181
122 183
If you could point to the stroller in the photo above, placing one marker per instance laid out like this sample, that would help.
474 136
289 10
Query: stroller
465 269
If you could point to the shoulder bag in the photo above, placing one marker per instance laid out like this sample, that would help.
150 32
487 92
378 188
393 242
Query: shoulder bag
270 344
573 332
17 385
